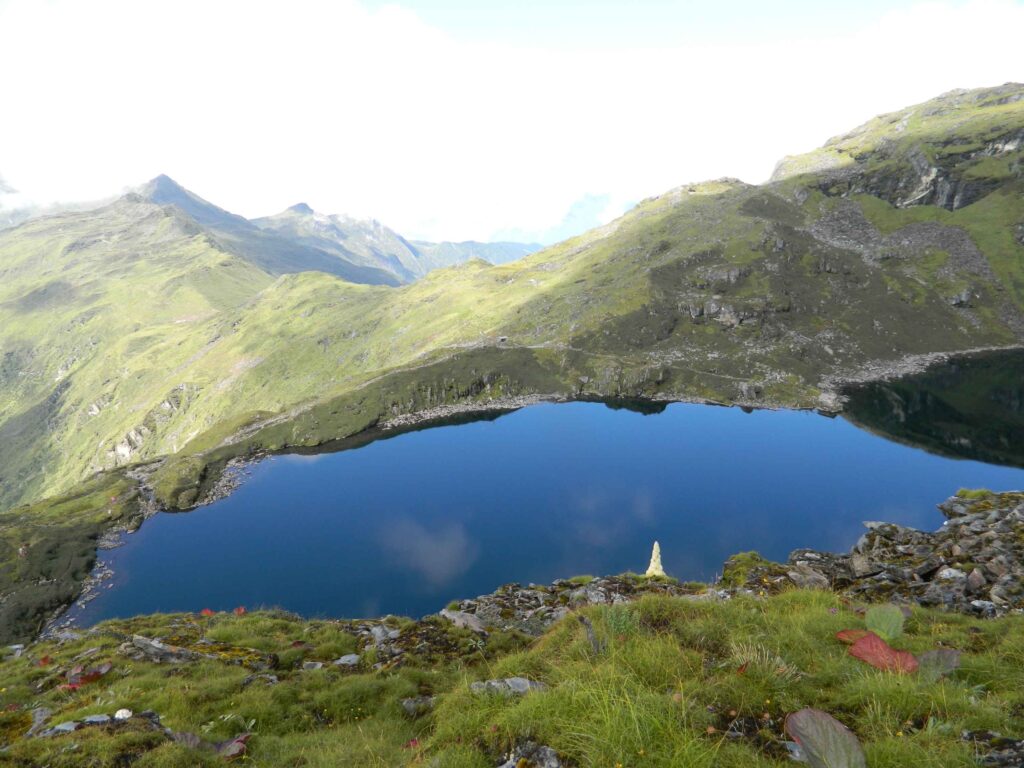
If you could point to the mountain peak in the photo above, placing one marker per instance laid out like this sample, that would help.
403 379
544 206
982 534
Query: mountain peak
302 208
163 190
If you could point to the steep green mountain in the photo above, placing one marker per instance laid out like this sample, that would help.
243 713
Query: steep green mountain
762 295
92 305
369 243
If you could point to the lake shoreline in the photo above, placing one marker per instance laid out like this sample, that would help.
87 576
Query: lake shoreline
978 531
229 476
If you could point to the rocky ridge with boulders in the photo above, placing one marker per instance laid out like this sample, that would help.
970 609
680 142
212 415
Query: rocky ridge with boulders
973 564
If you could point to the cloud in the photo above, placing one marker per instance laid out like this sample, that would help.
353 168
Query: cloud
255 105
589 211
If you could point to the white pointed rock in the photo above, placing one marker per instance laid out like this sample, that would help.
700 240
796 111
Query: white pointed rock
655 569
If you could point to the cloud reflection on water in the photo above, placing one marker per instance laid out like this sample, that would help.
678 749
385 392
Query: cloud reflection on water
439 554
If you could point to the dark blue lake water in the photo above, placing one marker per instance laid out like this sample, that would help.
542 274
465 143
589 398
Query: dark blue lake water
406 524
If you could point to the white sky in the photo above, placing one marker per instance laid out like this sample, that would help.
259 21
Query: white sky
451 130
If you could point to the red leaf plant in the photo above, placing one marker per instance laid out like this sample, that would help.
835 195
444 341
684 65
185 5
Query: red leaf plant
851 636
879 654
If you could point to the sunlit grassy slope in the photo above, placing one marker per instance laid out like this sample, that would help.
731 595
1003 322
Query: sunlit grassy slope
131 332
672 682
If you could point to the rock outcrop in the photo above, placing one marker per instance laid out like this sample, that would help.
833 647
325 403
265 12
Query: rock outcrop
973 564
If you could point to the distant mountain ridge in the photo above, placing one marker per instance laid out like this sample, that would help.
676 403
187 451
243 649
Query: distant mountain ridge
300 239
368 242
267 249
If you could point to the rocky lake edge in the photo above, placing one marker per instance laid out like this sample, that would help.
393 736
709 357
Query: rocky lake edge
219 479
973 564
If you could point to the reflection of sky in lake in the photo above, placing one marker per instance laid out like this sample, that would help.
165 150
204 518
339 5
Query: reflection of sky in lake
404 525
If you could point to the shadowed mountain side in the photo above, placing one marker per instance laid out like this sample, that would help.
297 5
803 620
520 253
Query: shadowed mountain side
972 409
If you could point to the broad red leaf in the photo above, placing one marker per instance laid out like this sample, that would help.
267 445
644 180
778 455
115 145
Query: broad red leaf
240 611
851 636
879 654
206 612
743 668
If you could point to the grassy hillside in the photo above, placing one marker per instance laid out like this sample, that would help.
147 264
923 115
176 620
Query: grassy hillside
661 682
721 291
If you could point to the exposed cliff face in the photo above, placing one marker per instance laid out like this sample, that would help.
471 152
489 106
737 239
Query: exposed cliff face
949 152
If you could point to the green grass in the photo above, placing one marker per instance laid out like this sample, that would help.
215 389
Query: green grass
47 549
673 677
974 493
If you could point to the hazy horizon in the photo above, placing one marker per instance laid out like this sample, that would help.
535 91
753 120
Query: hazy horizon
455 121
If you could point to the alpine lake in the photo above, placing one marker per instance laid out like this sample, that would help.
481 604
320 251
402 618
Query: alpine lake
406 523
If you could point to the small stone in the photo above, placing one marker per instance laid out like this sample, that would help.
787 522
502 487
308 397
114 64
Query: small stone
976 581
348 660
96 720
806 577
985 608
39 717
862 566
533 755
521 686
65 727
312 665
509 686
268 679
950 574
122 714
464 620
418 706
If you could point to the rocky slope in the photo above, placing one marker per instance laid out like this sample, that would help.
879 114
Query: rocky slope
974 564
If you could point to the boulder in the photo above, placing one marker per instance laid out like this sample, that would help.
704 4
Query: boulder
464 620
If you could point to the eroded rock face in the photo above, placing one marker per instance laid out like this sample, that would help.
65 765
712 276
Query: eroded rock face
973 564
